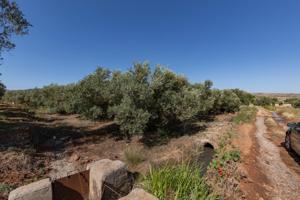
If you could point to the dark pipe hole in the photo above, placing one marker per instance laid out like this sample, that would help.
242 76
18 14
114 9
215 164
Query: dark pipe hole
208 145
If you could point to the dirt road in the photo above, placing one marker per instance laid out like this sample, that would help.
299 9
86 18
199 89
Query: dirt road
284 181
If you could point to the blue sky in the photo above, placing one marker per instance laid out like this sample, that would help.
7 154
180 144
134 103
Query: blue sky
249 44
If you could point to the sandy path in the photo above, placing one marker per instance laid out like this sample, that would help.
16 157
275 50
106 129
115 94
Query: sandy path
284 181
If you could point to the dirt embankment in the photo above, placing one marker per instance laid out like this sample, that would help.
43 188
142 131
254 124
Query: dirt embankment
254 182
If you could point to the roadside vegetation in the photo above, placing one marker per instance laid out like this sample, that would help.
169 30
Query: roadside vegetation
288 112
265 101
140 100
178 182
134 156
245 115
223 175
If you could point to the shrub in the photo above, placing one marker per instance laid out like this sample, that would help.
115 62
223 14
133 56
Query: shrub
245 115
179 182
225 101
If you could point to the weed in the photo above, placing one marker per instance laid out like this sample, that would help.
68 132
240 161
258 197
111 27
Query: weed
222 174
5 188
134 156
179 182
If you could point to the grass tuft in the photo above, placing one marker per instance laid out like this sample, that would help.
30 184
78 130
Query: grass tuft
134 156
179 182
5 188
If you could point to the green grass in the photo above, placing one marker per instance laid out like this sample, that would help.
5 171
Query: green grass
270 107
245 115
178 182
4 188
134 156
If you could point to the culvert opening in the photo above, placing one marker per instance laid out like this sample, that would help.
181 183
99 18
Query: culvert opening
73 187
208 145
205 157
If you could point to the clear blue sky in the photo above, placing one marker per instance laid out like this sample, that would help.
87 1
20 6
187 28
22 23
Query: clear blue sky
249 44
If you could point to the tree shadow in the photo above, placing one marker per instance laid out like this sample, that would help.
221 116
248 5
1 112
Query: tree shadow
161 137
25 131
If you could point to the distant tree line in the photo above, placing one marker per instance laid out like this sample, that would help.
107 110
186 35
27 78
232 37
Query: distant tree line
295 102
265 101
138 100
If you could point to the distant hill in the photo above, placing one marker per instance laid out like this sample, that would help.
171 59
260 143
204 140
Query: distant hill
280 96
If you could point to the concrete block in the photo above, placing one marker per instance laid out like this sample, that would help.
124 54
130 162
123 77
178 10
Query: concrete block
139 194
35 191
108 180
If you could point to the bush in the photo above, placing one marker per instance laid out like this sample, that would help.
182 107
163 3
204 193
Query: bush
179 182
245 115
225 101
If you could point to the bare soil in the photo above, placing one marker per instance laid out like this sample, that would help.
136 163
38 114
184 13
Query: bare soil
254 183
270 171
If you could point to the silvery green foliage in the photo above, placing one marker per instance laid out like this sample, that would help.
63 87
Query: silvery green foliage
225 101
138 100
12 22
132 120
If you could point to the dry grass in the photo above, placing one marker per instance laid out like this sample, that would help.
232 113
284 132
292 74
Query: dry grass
288 112
134 156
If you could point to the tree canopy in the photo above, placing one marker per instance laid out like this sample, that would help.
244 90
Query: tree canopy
12 22
138 100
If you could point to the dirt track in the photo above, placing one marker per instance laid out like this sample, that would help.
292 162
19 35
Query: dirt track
270 171
284 181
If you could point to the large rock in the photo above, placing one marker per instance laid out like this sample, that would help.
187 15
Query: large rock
139 194
108 180
35 191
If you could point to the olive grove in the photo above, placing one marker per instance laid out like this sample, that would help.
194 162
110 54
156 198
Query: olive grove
138 100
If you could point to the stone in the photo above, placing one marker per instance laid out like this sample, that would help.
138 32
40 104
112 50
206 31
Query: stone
35 191
74 158
139 194
108 180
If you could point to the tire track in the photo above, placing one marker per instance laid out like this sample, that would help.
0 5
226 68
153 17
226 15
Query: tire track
284 181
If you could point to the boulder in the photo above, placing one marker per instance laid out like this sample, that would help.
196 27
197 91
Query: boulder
35 191
139 194
108 180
